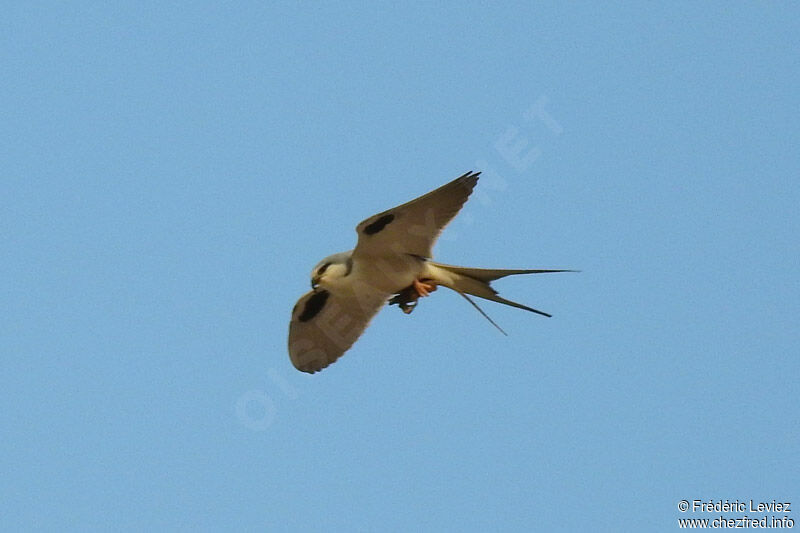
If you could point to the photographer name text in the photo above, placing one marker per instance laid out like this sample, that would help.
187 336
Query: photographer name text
737 506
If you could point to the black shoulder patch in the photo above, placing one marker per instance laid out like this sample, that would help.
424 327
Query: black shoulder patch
313 306
378 225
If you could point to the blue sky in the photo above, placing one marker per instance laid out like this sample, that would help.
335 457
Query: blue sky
171 173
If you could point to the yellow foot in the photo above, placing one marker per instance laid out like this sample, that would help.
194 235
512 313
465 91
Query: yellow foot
424 288
407 298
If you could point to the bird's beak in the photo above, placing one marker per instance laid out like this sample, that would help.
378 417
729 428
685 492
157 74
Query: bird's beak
315 282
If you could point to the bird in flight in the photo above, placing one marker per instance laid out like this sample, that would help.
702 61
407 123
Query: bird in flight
391 263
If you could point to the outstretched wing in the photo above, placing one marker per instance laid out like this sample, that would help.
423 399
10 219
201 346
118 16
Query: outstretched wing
412 228
325 325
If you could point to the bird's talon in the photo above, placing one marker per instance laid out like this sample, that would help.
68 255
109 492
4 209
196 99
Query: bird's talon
424 289
408 298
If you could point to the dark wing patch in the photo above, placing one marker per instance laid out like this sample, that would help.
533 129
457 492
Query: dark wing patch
378 225
313 306
330 324
412 228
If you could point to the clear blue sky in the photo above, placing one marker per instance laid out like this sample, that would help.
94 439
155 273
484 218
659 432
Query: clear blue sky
171 173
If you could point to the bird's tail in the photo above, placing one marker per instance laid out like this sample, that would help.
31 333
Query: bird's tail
476 281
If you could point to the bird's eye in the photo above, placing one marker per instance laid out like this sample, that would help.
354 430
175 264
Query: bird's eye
323 268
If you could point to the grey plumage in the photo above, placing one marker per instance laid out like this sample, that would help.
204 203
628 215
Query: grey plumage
392 257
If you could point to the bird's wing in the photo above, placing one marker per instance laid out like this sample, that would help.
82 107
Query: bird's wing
413 227
325 325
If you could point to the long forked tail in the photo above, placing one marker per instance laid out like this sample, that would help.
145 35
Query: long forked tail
476 281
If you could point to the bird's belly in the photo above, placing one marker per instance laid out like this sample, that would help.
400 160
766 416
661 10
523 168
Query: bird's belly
389 274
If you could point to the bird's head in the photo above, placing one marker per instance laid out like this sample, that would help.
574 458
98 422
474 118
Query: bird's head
331 269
